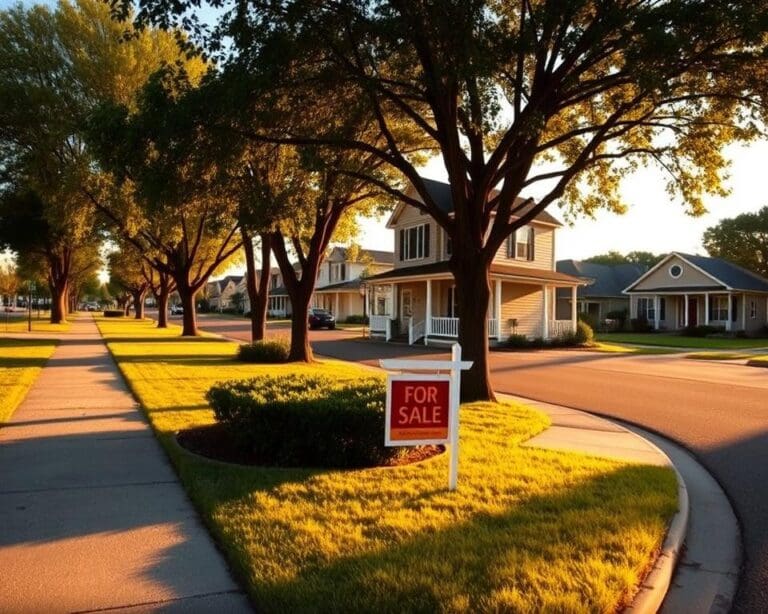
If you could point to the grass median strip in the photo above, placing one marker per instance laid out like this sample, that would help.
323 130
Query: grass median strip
20 364
613 348
528 529
672 340
19 323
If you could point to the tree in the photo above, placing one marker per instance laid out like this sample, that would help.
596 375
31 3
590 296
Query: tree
566 96
9 282
743 240
128 270
55 67
612 257
163 196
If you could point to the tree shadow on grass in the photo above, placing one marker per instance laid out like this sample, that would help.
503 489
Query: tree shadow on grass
566 551
15 343
21 363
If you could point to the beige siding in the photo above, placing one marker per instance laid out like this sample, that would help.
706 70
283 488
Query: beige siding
758 323
662 279
410 217
543 245
523 303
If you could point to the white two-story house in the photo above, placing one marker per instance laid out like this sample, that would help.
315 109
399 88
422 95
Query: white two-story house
421 290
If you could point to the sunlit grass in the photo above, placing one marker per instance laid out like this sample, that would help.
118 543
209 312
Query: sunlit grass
673 340
612 348
528 530
20 364
18 322
719 356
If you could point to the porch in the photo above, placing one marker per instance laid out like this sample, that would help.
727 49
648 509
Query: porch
426 311
733 311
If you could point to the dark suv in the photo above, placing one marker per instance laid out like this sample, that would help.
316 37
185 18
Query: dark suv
321 318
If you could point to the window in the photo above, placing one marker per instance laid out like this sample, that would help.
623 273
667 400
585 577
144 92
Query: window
752 309
453 308
718 309
275 280
414 242
338 272
448 244
675 271
520 244
646 308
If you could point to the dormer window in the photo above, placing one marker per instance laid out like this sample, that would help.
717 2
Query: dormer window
521 244
414 242
338 272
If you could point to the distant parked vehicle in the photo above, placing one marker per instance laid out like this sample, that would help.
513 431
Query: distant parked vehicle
177 310
92 306
321 318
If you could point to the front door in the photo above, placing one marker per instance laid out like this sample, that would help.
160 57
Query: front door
693 311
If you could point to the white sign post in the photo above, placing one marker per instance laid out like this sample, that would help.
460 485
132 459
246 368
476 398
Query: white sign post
420 416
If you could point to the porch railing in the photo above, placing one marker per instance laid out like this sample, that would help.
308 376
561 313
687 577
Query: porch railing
380 326
444 327
415 331
560 328
493 328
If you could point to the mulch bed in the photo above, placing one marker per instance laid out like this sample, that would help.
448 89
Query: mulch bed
214 441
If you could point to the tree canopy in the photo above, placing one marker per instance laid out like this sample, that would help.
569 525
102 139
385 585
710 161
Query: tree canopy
636 257
742 239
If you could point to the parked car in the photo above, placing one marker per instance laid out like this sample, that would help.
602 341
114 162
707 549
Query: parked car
177 310
321 318
92 306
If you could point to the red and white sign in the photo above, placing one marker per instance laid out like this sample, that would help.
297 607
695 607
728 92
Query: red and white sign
418 410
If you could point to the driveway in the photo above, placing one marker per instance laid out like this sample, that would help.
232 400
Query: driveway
718 411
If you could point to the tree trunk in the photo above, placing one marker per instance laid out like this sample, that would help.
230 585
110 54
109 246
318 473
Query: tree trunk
257 296
473 296
301 350
189 317
138 303
162 306
127 307
59 298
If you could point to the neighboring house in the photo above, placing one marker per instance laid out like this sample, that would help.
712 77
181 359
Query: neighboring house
423 301
605 290
684 290
227 287
279 304
213 293
340 281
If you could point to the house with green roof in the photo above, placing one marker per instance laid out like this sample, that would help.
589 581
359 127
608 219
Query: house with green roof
687 290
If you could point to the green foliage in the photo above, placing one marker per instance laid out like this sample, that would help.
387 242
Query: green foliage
589 319
702 330
585 335
265 351
357 319
613 258
114 313
743 240
640 325
306 421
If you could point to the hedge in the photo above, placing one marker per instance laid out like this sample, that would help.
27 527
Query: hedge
114 313
265 351
306 420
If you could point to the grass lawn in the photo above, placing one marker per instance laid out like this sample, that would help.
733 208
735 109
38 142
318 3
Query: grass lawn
612 348
528 530
672 340
720 356
17 323
20 364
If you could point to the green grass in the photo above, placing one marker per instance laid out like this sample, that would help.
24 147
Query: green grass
528 530
678 341
20 364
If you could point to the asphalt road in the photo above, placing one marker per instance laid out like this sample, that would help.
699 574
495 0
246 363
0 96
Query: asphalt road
718 411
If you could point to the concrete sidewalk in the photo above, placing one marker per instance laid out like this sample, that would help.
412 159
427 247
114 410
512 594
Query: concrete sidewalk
92 516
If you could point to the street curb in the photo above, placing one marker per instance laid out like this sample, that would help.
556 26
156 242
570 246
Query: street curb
655 585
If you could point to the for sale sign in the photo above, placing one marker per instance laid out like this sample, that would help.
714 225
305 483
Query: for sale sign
418 410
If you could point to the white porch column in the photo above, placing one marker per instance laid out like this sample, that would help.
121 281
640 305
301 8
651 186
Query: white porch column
706 309
743 312
497 308
428 315
336 305
544 313
574 308
656 314
685 310
393 298
729 323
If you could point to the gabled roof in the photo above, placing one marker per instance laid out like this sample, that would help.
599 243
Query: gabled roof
375 255
722 272
441 194
607 281
352 285
235 279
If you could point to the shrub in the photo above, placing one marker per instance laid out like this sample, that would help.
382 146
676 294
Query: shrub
702 330
584 333
357 319
640 325
114 313
589 319
306 420
265 351
618 319
518 341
